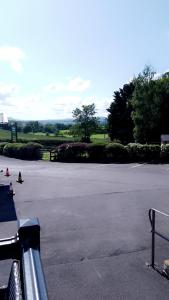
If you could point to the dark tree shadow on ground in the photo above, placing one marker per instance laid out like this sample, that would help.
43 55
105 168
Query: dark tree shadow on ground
7 207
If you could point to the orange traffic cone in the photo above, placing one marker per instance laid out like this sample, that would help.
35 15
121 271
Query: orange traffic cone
7 173
11 191
20 180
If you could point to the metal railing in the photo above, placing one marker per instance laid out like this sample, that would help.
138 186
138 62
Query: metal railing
24 249
152 218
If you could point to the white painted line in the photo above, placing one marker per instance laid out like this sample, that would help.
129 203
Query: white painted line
97 272
136 166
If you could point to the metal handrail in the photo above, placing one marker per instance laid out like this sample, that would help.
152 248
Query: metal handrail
9 247
34 281
158 211
9 240
33 277
152 217
25 247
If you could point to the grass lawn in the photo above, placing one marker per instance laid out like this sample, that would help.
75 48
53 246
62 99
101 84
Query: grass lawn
100 138
46 156
6 134
64 135
97 137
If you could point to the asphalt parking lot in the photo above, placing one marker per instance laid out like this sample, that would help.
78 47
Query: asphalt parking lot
95 232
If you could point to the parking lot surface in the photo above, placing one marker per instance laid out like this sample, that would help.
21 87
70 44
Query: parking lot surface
95 232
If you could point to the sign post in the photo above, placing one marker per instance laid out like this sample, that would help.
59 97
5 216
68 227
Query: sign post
14 133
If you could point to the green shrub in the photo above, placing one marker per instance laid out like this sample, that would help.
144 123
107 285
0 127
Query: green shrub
96 152
23 151
151 153
134 152
46 142
71 152
31 151
143 153
116 152
164 153
2 145
13 150
4 140
85 139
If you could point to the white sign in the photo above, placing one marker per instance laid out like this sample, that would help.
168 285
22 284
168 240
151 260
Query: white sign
3 118
164 138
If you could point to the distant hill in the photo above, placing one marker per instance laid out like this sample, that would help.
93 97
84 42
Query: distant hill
59 121
67 121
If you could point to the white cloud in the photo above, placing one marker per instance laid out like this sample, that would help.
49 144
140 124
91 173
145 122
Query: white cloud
29 101
65 105
47 105
102 105
78 85
67 100
54 87
13 56
73 85
157 76
130 80
39 107
6 91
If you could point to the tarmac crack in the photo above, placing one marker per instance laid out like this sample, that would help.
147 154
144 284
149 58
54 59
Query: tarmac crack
90 258
116 253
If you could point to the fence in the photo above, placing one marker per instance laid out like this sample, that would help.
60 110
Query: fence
152 217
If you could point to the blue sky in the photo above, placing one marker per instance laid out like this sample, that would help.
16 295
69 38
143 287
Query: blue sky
56 55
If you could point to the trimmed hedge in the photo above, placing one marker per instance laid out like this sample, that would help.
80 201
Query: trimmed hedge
4 140
116 152
44 142
165 153
134 151
30 151
152 153
83 152
112 152
71 152
143 153
2 145
96 152
47 142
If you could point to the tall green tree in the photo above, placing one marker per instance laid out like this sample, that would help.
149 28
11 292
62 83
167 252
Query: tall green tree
85 121
150 103
120 123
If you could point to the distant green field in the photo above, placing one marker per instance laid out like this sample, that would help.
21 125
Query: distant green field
64 135
97 137
6 134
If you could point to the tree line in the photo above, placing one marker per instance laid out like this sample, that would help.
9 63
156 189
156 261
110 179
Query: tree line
140 109
36 126
138 113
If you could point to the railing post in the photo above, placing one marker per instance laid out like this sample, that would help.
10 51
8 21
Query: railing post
153 239
34 285
29 233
